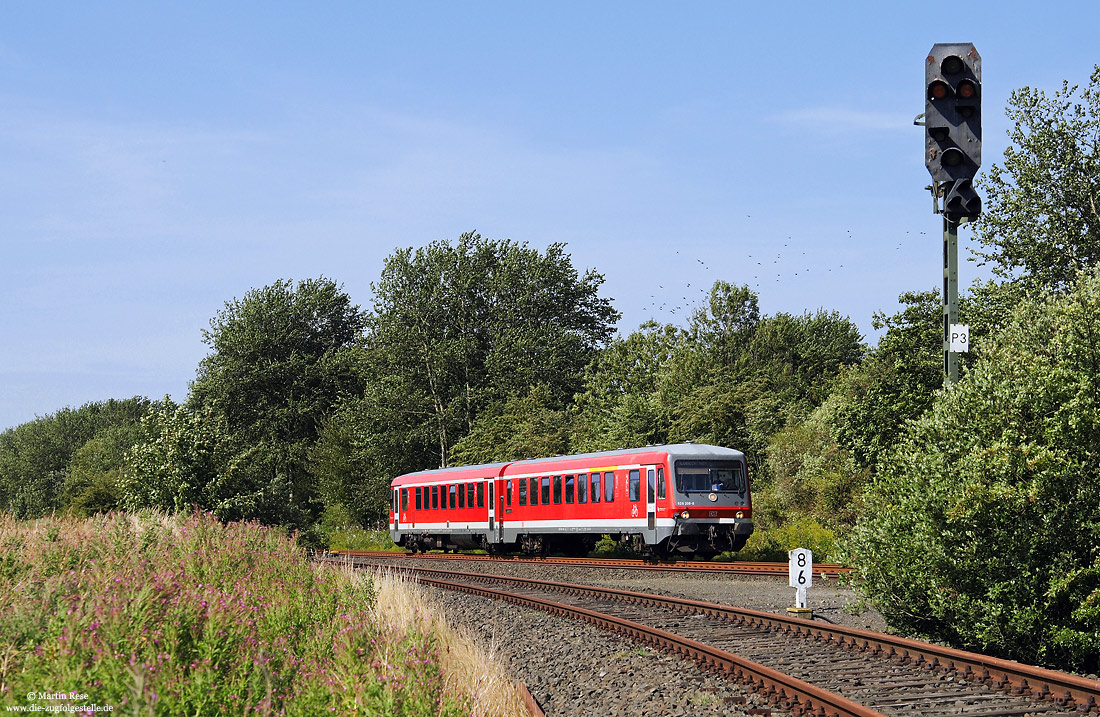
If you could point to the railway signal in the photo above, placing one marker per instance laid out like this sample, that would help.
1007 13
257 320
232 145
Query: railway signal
953 154
953 125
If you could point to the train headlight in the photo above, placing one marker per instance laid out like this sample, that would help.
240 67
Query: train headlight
685 515
739 514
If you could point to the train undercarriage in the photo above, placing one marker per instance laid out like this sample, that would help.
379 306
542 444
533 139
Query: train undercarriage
694 539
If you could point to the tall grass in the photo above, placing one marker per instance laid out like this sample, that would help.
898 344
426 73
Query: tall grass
158 615
467 669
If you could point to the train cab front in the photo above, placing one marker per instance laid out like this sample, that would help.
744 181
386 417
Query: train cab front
713 507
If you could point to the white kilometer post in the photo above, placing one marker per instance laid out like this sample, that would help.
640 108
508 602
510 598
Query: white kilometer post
802 575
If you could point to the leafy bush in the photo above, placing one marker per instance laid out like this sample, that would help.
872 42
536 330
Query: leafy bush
983 526
774 543
810 475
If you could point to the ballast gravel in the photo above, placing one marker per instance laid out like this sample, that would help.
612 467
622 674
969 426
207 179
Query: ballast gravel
572 668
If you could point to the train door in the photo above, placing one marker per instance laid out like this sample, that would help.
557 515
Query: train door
492 509
500 518
651 502
396 513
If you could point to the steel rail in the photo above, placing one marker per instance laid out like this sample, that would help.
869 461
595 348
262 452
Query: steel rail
825 570
787 692
1017 678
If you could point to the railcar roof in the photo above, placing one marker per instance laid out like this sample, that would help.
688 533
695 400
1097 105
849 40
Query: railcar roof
484 471
675 451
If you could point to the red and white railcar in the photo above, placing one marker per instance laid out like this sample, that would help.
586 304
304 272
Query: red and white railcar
686 498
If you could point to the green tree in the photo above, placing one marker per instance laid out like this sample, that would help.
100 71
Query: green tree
1041 216
623 402
35 456
457 330
983 525
522 427
460 327
190 457
281 359
368 441
897 381
91 484
732 377
796 359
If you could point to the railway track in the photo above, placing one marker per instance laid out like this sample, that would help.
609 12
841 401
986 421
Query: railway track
801 666
824 570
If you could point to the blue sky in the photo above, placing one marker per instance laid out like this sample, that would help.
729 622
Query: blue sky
158 160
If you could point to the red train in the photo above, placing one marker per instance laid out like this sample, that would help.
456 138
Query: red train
686 498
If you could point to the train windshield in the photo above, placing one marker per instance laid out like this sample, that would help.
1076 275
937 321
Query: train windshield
693 477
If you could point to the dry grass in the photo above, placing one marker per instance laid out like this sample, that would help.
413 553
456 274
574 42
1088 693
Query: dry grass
468 669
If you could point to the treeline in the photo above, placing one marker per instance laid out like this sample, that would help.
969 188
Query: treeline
971 514
473 351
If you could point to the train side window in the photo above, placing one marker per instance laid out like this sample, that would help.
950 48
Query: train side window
508 491
534 491
470 494
491 503
609 487
650 485
435 497
557 490
451 492
419 499
635 484
660 484
522 492
582 488
595 478
570 488
461 495
404 499
480 495
545 490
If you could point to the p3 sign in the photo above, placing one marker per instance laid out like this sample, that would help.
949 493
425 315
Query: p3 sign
960 338
801 568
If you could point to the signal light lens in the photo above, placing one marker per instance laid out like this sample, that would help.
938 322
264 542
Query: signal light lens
966 90
951 65
952 157
938 90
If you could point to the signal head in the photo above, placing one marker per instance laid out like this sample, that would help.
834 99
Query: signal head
953 132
